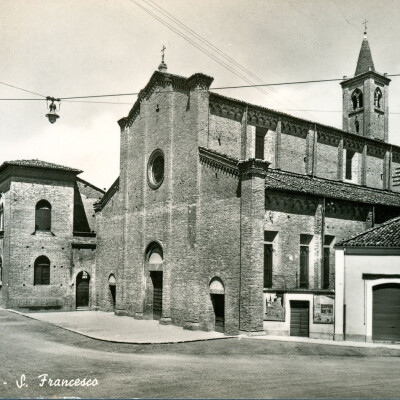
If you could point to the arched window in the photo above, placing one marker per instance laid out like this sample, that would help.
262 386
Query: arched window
377 97
357 99
154 253
42 271
43 216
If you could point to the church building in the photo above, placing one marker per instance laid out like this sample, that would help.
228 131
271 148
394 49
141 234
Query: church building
225 213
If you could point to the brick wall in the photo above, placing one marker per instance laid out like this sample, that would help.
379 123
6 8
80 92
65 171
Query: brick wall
225 135
22 244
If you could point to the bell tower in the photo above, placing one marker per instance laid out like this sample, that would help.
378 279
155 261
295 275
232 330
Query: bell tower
365 98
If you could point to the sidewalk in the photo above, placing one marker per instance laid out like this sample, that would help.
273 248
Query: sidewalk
108 327
343 343
111 328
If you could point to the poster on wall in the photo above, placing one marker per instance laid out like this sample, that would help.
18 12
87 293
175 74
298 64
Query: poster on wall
323 309
274 309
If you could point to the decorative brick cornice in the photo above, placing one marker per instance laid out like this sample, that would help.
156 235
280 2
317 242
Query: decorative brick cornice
217 160
328 137
107 196
226 109
262 118
199 81
253 166
135 111
384 80
396 155
376 151
354 143
294 127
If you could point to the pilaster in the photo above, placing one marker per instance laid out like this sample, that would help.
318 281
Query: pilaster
252 177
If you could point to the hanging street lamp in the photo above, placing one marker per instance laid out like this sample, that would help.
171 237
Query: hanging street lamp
52 114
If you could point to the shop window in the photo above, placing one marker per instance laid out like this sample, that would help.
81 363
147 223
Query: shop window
43 216
42 271
260 136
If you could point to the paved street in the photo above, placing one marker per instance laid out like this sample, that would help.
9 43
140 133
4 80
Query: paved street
221 368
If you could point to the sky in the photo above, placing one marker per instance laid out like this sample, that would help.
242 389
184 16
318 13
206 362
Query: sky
68 48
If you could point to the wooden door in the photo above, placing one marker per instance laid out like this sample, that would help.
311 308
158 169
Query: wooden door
386 312
82 290
299 318
157 279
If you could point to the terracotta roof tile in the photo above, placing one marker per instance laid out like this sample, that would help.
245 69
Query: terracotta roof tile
292 182
38 164
386 235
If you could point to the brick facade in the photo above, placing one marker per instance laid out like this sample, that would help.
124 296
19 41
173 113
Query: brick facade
216 206
22 186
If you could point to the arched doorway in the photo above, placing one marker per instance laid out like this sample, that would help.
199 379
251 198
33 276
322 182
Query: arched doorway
217 293
82 290
112 284
386 312
155 259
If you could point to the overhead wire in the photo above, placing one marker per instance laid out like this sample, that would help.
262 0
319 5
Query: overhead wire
211 88
200 38
169 26
24 90
271 91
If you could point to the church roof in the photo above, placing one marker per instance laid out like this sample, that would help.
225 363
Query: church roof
292 182
386 235
38 164
364 63
298 183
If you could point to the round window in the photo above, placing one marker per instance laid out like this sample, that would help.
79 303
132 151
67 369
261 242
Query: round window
155 169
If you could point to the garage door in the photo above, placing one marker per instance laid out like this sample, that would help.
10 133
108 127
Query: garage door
386 312
299 318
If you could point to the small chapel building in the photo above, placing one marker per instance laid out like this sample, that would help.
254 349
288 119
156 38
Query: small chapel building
47 237
225 214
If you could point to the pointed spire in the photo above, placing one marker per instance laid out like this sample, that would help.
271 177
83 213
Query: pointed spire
364 63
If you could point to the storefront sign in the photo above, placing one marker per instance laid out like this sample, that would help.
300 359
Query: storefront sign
274 309
323 309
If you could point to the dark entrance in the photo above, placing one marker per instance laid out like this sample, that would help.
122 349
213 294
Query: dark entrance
157 279
112 286
218 301
113 295
386 312
82 290
299 318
